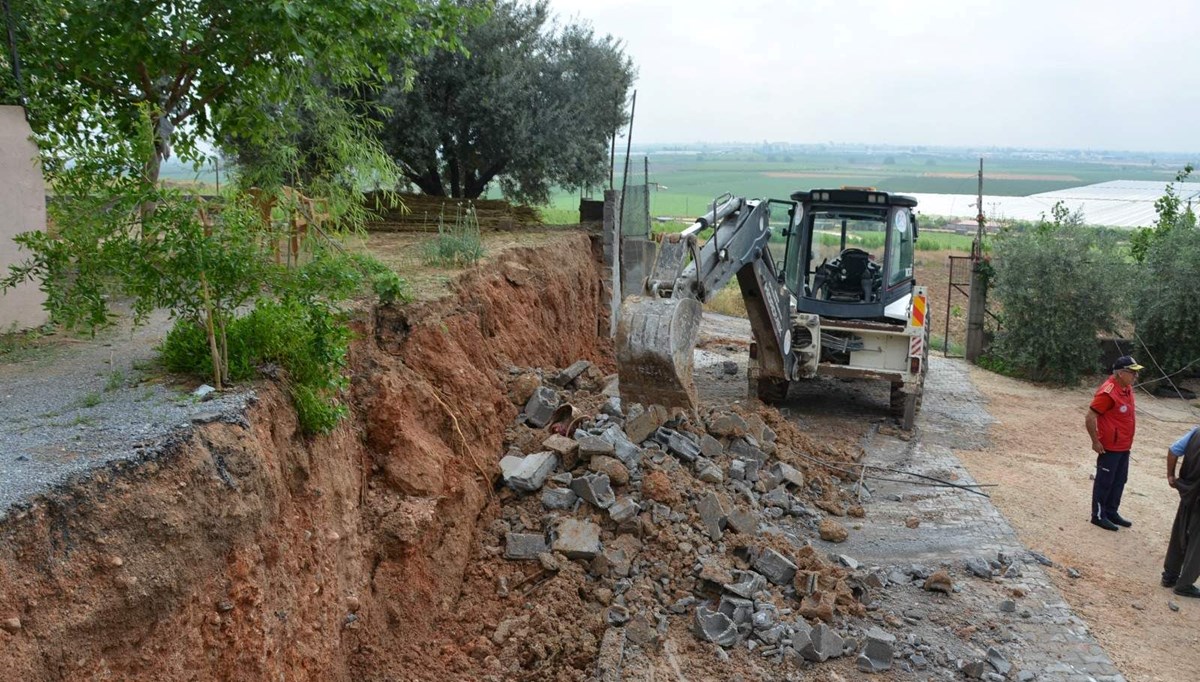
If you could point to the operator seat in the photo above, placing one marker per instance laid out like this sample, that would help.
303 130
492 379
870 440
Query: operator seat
853 278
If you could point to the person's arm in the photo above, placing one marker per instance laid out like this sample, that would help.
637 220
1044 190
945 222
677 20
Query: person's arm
1171 459
1090 422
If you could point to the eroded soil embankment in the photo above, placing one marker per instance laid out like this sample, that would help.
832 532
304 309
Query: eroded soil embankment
245 551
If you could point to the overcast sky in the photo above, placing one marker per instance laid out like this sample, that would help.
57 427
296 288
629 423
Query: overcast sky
1052 73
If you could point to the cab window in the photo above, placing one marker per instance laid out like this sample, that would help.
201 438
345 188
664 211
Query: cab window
900 257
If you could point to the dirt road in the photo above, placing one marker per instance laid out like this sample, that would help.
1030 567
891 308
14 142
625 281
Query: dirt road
1039 455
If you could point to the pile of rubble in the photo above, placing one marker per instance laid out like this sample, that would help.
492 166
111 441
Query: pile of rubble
697 522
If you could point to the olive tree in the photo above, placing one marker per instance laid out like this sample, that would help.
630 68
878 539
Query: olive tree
527 104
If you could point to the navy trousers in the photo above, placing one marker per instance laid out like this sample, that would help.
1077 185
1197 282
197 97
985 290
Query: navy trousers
1112 470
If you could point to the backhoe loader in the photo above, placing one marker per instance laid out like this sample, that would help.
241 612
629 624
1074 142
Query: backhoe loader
843 303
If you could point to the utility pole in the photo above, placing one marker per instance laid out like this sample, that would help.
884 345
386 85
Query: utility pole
977 303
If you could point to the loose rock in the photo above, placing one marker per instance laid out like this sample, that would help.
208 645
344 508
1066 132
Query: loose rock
832 531
939 582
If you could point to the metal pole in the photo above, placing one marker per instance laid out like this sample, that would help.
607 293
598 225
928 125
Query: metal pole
16 58
977 303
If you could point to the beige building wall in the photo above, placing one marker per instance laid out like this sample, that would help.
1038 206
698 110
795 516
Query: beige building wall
22 209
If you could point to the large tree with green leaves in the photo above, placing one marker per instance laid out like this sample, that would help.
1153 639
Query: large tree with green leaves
529 104
196 70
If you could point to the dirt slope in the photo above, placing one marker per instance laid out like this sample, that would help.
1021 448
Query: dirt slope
245 551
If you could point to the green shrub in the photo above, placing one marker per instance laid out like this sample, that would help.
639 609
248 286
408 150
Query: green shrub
1166 309
1058 286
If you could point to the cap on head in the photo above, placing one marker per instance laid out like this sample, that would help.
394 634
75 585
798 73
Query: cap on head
1127 362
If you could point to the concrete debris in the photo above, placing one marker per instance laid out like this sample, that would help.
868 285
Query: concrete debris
742 522
832 531
616 614
642 633
11 625
778 497
972 669
1008 606
711 447
1072 573
1173 606
790 474
677 444
612 562
742 447
623 510
998 661
745 584
524 546
823 643
527 474
612 407
595 489
712 515
849 562
577 539
623 448
978 567
640 426
541 406
737 470
775 567
571 373
727 426
566 449
612 653
716 627
593 446
877 655
711 473
559 499
203 391
1041 558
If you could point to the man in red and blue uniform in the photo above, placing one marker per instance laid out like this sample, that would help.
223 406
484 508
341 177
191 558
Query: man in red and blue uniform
1110 422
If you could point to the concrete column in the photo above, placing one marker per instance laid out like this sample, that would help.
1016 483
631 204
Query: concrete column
22 209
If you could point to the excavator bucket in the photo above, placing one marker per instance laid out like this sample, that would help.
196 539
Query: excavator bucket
655 341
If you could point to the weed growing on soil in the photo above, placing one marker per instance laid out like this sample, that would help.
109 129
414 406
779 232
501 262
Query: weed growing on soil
91 400
728 301
456 245
116 380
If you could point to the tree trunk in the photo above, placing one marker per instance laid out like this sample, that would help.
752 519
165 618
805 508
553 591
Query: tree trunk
476 185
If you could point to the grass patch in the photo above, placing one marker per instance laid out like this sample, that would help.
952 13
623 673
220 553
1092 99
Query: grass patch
90 400
728 301
115 381
457 244
938 343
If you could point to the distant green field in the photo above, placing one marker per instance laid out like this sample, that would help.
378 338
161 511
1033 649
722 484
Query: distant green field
687 184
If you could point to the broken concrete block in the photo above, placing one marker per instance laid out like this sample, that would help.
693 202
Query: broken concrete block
642 425
677 444
524 546
623 449
612 653
641 632
612 562
712 515
727 426
877 655
612 407
595 489
741 447
972 669
541 406
710 473
711 447
778 497
790 474
775 567
571 373
527 474
741 521
716 627
978 567
566 449
577 539
823 644
623 510
746 584
998 661
558 499
740 611
592 446
752 467
617 614
737 470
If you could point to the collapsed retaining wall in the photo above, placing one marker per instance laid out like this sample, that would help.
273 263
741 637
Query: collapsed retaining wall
242 550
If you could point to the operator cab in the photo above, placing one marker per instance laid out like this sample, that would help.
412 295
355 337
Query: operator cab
850 253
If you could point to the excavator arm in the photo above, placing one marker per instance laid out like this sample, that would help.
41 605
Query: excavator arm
658 328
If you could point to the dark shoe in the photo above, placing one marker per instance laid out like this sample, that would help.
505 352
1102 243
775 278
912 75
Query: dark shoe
1169 581
1189 591
1117 519
1105 524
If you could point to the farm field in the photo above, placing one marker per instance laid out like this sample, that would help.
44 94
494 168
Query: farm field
687 183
